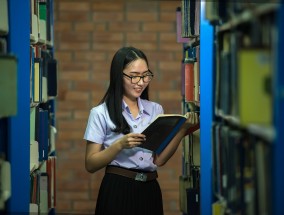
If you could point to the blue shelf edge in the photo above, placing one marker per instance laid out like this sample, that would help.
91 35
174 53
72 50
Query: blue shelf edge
206 111
18 126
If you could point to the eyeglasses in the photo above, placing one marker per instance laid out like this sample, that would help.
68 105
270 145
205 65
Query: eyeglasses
136 78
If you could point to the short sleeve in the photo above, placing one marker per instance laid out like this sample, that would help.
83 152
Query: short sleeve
96 126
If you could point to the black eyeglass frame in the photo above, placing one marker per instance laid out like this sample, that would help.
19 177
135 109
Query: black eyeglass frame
135 76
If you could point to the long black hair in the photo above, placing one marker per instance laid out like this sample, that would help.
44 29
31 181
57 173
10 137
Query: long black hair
114 94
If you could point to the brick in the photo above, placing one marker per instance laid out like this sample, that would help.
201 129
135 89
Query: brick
84 85
68 195
85 206
75 36
171 46
81 115
145 46
72 46
108 6
101 27
74 6
62 56
124 26
140 36
62 26
70 106
84 26
142 16
73 185
66 135
145 6
74 16
72 125
107 36
158 26
168 17
109 46
169 37
107 16
169 65
67 66
83 75
89 56
169 5
64 206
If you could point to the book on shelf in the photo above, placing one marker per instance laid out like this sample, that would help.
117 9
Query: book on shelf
37 80
51 171
43 206
8 85
5 182
179 37
42 133
52 77
4 23
188 18
255 69
189 79
161 131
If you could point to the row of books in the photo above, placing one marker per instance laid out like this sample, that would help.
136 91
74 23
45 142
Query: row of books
241 171
43 75
42 134
189 181
43 93
43 187
187 34
41 23
243 60
220 12
244 68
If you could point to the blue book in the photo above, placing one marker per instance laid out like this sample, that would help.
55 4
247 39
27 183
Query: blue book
161 131
42 134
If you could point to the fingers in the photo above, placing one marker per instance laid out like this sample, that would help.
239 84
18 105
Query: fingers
134 139
193 118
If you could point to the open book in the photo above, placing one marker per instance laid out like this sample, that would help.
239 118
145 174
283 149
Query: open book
161 131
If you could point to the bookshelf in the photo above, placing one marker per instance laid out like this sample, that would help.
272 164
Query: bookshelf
243 83
188 35
17 159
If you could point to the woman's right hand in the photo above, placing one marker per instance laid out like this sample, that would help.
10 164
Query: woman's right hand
131 140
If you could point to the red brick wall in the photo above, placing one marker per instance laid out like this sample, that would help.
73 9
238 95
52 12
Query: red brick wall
87 33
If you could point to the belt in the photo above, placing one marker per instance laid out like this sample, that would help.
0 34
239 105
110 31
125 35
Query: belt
137 176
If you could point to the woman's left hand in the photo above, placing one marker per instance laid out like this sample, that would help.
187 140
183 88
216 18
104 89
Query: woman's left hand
192 119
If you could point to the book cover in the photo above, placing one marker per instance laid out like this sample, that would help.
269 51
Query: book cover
4 21
37 80
52 77
180 39
255 103
161 131
8 85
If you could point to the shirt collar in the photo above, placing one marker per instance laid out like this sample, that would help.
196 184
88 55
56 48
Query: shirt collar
143 107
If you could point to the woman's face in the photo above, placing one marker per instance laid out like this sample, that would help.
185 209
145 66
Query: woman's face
136 68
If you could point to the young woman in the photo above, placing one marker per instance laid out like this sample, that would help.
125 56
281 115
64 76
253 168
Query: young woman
113 135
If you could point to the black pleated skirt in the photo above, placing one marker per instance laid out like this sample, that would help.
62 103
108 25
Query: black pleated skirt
119 195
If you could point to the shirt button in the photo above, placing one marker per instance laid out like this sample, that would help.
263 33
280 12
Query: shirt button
141 158
135 126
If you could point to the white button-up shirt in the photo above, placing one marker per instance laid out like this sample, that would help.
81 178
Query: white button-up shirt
99 130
